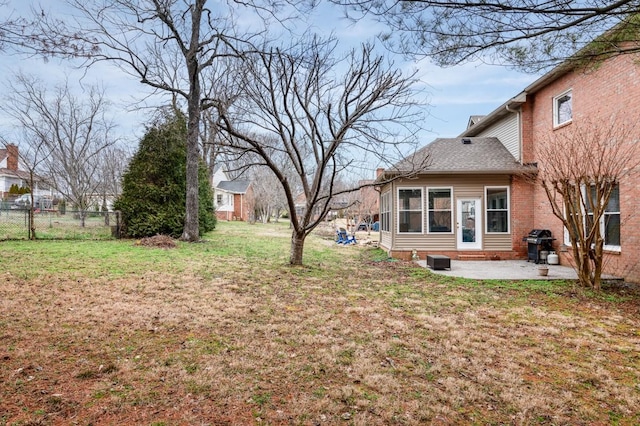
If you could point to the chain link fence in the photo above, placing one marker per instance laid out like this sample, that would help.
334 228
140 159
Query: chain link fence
57 225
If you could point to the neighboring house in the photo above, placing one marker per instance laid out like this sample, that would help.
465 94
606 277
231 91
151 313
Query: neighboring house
14 172
483 179
233 199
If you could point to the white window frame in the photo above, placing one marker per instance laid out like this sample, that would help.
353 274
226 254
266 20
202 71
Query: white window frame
399 210
385 209
451 210
556 108
617 248
487 210
602 221
602 224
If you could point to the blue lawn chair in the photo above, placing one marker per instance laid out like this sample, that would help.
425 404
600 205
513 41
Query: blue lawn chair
344 238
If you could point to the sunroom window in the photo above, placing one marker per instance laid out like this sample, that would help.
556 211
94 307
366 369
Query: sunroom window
440 214
497 207
385 212
410 210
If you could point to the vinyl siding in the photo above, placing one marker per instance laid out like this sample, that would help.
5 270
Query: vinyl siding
386 240
507 131
463 187
494 242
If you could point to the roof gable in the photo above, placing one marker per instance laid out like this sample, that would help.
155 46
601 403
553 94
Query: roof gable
465 156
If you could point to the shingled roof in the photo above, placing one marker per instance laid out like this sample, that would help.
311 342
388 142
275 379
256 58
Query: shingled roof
464 156
234 186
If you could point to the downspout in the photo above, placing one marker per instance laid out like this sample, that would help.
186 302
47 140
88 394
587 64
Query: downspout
519 115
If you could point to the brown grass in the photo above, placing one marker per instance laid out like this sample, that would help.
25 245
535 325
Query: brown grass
373 343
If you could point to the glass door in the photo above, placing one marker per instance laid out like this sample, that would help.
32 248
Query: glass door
469 224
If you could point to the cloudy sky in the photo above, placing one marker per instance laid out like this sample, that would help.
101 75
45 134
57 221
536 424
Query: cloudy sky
453 94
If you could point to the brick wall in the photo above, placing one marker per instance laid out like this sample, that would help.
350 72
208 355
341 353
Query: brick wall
521 213
608 89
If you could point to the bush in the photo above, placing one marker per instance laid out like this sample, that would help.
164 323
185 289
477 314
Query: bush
18 190
154 186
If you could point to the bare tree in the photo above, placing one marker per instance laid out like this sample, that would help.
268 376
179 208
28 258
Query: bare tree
72 133
168 44
219 83
209 137
580 168
268 193
531 34
321 119
14 30
364 204
113 164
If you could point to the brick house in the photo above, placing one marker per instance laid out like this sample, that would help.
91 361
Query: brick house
14 172
233 199
9 170
560 99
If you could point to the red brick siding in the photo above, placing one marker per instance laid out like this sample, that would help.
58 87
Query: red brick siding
459 255
243 206
609 89
521 213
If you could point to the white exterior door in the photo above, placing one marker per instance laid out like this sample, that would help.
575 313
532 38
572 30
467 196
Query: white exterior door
469 223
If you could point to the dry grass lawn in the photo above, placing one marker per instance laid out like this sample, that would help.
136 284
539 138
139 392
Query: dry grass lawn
226 333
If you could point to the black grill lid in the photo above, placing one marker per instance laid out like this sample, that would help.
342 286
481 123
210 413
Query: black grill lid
539 233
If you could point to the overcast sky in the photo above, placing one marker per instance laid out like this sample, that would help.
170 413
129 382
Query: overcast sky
453 94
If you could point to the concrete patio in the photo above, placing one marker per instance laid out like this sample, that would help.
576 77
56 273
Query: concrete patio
503 270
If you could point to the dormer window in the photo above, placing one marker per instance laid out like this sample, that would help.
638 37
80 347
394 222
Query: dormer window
562 108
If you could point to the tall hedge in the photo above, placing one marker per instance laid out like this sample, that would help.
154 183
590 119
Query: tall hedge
154 186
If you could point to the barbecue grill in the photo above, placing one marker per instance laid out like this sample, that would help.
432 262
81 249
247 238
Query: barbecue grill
538 240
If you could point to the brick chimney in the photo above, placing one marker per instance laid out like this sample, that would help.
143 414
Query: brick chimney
12 157
379 171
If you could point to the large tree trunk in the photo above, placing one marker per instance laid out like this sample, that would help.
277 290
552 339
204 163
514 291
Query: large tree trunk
191 231
297 247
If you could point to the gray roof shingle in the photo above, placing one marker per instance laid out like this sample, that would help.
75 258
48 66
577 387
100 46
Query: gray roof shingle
235 186
452 156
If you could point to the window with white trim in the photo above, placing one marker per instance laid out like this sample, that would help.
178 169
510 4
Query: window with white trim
440 214
563 108
410 210
610 220
385 212
497 208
